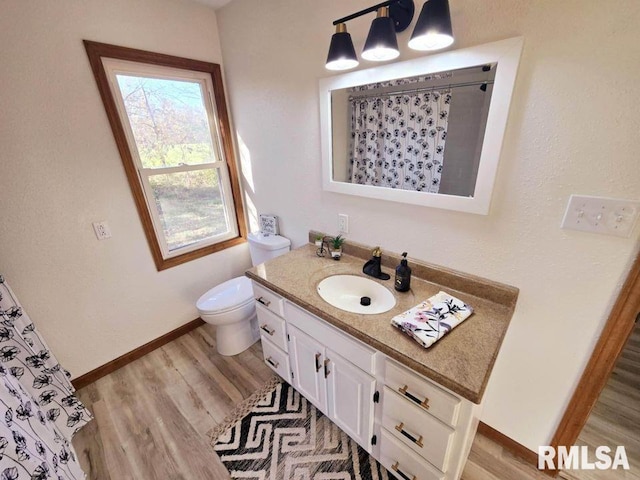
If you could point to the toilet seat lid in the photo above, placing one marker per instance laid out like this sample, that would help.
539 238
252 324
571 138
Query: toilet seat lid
226 296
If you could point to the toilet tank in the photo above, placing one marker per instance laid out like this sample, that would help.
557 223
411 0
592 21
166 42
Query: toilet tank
263 248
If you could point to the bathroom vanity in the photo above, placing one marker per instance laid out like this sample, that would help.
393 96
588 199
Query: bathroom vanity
415 410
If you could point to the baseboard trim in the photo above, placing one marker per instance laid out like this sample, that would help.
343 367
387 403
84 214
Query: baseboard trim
113 365
515 448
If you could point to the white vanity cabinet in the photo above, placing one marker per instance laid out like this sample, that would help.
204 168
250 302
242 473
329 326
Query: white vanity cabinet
350 398
415 428
273 330
307 357
434 426
337 387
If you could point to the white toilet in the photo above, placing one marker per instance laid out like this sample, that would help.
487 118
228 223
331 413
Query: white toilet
231 306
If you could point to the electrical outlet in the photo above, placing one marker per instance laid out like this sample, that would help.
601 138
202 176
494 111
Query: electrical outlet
608 216
343 223
102 230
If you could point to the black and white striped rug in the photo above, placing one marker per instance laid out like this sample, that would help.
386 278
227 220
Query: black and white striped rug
284 437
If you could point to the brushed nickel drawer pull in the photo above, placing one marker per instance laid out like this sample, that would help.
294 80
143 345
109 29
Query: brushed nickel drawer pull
417 441
264 302
423 403
326 367
396 468
270 361
270 331
318 366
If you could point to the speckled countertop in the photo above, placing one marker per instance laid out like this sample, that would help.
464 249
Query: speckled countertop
461 361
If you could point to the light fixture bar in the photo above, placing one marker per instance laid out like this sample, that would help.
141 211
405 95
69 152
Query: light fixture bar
365 11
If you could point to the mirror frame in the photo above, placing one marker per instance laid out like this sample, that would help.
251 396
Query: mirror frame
506 53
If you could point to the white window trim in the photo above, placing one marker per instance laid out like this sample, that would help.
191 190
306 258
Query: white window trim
115 67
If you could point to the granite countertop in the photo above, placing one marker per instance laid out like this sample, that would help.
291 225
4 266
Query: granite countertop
461 361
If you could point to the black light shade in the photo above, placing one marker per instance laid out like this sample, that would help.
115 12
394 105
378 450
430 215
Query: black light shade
433 28
342 55
381 42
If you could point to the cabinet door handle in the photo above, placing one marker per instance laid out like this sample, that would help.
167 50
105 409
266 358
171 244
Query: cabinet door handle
270 331
264 302
326 367
270 361
423 403
417 441
396 468
318 366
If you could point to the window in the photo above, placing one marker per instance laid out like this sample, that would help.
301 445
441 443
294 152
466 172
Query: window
169 119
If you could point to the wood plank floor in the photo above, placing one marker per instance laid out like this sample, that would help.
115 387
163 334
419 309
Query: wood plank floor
615 419
152 416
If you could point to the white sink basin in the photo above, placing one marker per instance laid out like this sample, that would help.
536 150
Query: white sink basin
346 291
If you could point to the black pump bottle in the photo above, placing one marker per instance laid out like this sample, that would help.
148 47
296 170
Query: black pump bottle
403 275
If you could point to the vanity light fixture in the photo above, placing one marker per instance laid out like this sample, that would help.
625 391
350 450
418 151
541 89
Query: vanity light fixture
381 44
432 31
342 55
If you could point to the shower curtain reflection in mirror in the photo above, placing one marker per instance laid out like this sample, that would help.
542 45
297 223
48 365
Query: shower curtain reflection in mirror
398 140
421 133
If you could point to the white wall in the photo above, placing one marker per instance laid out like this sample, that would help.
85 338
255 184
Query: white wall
60 171
573 128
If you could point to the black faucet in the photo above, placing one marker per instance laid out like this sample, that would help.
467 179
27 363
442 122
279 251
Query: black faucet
373 267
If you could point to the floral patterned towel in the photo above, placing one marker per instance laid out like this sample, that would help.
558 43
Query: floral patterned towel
431 320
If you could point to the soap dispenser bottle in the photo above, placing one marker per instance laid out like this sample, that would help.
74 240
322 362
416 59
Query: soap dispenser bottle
403 275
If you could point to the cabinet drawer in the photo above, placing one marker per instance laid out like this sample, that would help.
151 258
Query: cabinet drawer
402 462
341 343
272 327
268 299
428 437
276 359
422 392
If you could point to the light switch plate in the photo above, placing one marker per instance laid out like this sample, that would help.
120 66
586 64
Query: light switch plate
102 230
608 216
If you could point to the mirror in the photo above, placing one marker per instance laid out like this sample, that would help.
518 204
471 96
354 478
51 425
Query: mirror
426 131
422 133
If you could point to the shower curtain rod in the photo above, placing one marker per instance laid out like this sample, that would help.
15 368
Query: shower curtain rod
418 90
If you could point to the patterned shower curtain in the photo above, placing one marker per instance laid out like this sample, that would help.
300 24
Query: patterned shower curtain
398 140
39 414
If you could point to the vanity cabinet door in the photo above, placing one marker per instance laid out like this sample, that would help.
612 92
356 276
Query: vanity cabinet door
307 359
350 398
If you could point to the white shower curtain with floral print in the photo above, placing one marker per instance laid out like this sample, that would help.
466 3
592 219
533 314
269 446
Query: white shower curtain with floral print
39 413
398 140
